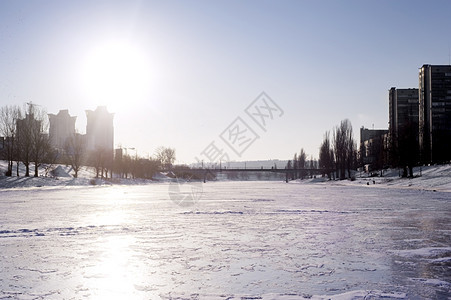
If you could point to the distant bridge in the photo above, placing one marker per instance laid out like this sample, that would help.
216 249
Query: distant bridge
296 173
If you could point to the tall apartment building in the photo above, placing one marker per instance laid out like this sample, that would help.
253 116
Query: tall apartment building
373 146
403 111
367 134
100 130
27 126
62 127
435 113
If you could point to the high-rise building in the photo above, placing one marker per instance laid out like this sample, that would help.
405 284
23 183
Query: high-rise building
367 134
27 127
100 130
62 127
435 113
403 126
403 110
373 148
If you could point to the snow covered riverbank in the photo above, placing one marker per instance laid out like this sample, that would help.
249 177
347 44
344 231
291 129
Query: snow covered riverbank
62 176
432 178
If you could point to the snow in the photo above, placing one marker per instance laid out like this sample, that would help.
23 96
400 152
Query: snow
435 282
62 175
312 239
425 252
434 178
354 295
60 172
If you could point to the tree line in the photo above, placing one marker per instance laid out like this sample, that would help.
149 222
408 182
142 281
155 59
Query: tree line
337 155
24 138
302 164
25 141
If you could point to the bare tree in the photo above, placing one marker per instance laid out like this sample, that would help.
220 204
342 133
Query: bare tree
351 150
295 166
166 156
137 167
125 165
24 138
98 159
302 157
326 156
51 160
344 148
8 119
75 149
288 167
339 149
41 147
312 166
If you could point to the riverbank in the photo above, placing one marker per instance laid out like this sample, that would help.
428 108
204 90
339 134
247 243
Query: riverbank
434 178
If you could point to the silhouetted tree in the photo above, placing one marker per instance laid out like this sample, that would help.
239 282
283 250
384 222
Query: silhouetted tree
351 154
289 165
145 168
25 133
41 150
75 149
166 156
126 165
301 162
41 147
295 166
50 160
344 148
326 156
8 128
312 166
408 148
98 159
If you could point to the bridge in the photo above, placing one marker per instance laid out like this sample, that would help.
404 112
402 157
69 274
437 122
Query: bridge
296 173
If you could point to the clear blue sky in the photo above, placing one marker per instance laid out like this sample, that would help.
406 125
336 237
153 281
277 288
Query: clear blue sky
198 64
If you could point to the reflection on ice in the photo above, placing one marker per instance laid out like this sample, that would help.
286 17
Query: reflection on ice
259 239
113 276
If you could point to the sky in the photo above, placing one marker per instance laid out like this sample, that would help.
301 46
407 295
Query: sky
179 73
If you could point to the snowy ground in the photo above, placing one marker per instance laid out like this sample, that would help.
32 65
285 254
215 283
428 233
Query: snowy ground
432 178
242 240
64 177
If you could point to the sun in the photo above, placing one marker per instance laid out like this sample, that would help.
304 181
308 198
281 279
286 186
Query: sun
117 74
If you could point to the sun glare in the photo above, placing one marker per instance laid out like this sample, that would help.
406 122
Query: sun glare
117 74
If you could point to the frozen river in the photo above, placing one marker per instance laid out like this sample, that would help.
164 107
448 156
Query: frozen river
267 239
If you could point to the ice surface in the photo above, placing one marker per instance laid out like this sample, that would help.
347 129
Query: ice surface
242 240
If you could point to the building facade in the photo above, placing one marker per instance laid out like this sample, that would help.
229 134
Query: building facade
403 126
403 110
100 130
62 127
435 113
27 127
373 148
